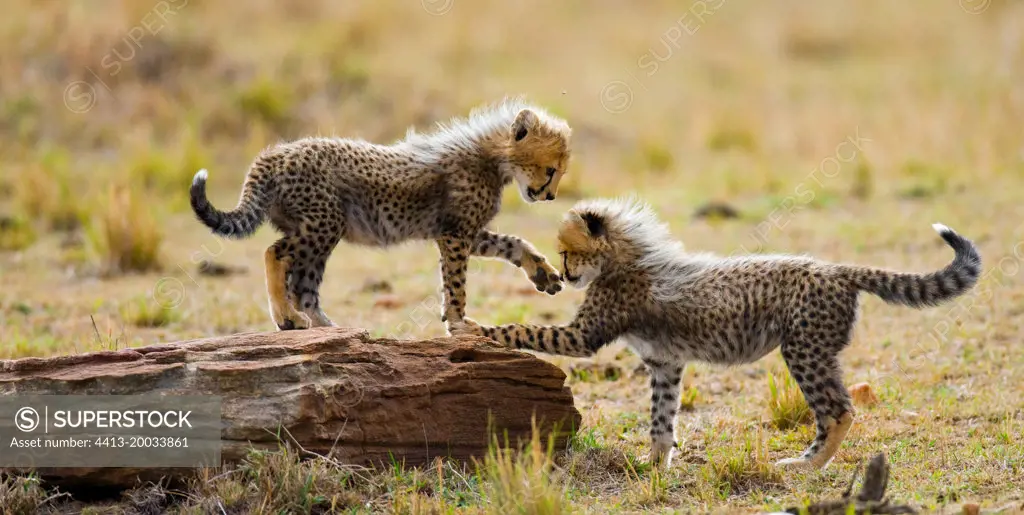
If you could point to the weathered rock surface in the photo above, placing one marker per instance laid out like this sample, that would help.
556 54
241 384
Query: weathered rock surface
367 399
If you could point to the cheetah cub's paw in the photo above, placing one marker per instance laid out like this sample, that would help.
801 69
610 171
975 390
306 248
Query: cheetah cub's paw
545 277
293 322
795 464
661 454
287 318
836 430
466 326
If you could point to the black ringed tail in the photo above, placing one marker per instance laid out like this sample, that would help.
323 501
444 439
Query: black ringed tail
922 290
240 222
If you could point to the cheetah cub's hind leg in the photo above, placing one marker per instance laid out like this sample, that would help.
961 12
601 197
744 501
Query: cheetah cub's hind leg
820 380
282 311
664 405
305 290
315 245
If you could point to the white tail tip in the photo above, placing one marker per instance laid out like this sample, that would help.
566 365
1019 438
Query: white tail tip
200 176
939 228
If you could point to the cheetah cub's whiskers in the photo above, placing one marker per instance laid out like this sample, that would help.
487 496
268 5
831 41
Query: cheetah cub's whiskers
672 307
444 186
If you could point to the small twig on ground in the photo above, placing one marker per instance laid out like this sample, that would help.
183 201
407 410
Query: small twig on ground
870 499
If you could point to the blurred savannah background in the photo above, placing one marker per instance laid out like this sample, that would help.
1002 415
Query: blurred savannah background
837 129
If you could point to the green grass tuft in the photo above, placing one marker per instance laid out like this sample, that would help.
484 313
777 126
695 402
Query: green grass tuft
863 181
16 234
688 398
923 180
737 469
656 157
725 139
146 312
268 101
786 402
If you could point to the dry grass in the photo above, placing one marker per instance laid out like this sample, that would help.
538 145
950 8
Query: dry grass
22 495
45 191
124 234
739 470
835 129
523 481
507 480
16 234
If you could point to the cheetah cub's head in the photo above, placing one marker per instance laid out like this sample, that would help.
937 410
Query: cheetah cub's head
601 236
583 246
537 154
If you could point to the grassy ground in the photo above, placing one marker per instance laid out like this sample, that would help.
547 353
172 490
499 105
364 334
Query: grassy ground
836 129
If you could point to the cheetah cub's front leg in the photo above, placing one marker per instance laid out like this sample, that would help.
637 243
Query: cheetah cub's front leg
469 327
544 276
466 326
520 253
454 263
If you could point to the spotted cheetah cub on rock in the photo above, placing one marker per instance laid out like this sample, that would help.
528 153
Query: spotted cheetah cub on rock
672 307
444 186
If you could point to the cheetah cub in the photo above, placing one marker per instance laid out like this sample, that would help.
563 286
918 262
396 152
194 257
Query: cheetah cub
444 186
672 307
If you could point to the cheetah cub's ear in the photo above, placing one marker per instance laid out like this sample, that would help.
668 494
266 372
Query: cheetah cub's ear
581 232
595 225
525 122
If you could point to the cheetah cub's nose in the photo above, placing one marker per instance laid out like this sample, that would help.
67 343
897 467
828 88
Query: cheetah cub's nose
550 196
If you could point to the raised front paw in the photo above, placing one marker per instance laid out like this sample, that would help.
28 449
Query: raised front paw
466 326
545 277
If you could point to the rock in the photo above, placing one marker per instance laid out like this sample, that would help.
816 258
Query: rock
388 301
716 388
214 269
369 399
716 210
526 291
863 395
377 286
970 509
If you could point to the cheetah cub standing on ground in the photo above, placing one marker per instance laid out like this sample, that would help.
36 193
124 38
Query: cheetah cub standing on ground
672 307
445 186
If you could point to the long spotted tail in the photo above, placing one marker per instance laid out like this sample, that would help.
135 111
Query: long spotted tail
240 222
922 290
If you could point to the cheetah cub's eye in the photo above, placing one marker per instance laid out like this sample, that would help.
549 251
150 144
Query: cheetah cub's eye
551 172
